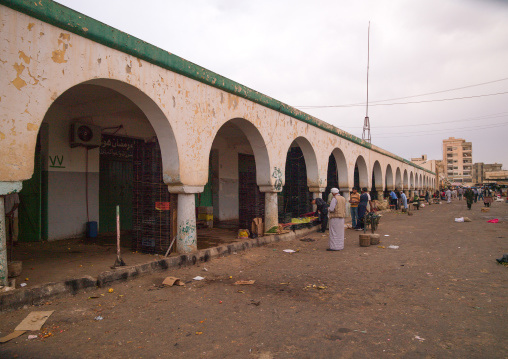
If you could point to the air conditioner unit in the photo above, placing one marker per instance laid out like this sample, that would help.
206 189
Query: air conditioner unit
86 135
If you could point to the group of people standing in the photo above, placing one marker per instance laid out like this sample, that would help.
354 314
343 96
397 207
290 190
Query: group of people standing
333 212
470 194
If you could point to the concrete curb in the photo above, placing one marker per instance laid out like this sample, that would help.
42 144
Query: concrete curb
28 296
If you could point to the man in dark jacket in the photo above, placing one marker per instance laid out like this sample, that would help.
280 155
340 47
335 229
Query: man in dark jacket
322 211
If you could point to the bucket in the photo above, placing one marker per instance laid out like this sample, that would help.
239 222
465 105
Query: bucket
364 240
14 268
91 229
374 239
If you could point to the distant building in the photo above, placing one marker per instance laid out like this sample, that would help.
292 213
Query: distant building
431 165
458 160
480 169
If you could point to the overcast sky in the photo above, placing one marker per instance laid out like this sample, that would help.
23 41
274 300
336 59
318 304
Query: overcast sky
314 53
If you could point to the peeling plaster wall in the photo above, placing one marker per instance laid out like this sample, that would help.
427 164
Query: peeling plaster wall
226 205
42 61
66 166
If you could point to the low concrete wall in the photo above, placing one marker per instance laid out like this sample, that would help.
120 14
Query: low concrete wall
29 296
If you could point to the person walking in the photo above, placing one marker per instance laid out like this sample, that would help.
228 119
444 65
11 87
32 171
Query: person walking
362 209
322 211
448 195
354 200
461 193
475 192
427 197
403 197
393 200
336 212
469 195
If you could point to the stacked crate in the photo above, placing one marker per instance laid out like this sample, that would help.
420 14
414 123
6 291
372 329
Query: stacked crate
251 200
151 201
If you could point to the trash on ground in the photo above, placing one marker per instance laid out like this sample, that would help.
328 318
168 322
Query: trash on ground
94 297
315 286
111 290
253 302
199 333
245 282
198 278
34 320
98 317
503 260
461 219
30 337
383 247
393 247
170 281
11 336
493 220
387 235
289 251
467 219
307 240
419 338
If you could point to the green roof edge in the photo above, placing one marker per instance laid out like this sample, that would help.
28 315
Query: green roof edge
85 26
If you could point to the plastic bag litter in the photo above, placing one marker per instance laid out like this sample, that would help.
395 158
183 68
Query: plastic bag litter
461 219
393 247
493 220
198 278
289 251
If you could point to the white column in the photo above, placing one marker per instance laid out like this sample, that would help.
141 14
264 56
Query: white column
271 210
3 246
5 188
186 221
345 193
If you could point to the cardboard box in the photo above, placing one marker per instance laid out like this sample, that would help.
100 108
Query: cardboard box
258 227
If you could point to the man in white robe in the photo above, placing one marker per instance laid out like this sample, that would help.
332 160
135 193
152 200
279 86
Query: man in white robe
336 212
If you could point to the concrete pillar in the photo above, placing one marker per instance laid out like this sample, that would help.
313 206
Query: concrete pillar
5 188
345 193
3 246
271 210
186 221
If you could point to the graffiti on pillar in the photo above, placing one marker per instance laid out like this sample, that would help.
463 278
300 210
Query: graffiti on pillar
187 231
56 161
277 174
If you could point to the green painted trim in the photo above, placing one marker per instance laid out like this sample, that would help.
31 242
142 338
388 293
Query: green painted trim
82 25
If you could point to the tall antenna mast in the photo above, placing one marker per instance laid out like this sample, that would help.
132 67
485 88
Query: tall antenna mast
366 122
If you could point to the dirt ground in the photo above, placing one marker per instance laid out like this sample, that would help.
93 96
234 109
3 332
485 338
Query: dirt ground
441 294
56 261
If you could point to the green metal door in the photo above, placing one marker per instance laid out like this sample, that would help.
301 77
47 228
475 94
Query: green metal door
115 188
30 203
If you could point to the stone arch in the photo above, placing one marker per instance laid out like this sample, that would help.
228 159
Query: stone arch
257 144
417 182
406 180
389 178
421 181
159 122
377 174
363 172
310 161
342 169
411 180
398 179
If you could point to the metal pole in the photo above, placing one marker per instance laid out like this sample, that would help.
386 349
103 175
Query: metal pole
119 261
118 233
4 280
